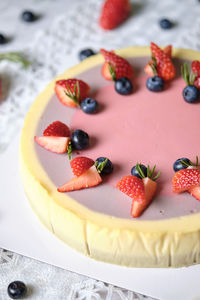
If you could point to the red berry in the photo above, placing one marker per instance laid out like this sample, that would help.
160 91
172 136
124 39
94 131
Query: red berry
196 67
113 13
121 67
68 90
57 128
132 186
80 165
88 179
185 179
165 67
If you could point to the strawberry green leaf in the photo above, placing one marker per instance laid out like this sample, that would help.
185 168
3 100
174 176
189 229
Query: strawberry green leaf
15 57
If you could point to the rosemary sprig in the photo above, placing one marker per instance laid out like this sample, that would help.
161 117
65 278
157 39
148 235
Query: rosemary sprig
100 166
187 74
112 71
150 172
69 150
15 57
153 65
74 95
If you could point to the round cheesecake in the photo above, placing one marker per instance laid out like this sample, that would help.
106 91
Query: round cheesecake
151 128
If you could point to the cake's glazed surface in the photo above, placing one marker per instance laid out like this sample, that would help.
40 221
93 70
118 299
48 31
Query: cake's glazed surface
136 243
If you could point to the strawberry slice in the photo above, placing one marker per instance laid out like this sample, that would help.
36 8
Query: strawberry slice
57 128
71 91
132 186
164 65
185 179
55 144
88 179
197 82
113 13
196 67
139 206
148 69
81 164
195 192
115 66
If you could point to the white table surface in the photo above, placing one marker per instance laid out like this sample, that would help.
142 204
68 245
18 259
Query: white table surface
49 43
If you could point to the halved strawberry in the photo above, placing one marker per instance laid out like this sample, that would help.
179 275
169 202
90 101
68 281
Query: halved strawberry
115 66
196 67
71 91
81 164
141 190
138 206
185 179
53 143
148 69
113 13
164 65
57 128
88 179
197 82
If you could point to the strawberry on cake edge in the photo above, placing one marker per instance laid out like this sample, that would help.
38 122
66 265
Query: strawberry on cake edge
173 242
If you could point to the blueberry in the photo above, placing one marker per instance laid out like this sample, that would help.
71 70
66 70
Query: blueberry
89 105
178 165
28 16
191 94
155 84
83 54
134 171
79 139
166 24
17 290
3 39
108 168
123 86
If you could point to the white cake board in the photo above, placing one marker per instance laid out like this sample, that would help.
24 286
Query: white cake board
21 232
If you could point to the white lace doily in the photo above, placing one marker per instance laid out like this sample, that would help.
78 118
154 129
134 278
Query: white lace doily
51 52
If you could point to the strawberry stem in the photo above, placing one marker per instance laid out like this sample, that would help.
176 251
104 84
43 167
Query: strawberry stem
100 166
72 94
69 150
112 71
187 74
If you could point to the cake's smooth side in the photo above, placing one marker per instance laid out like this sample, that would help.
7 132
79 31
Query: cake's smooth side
133 243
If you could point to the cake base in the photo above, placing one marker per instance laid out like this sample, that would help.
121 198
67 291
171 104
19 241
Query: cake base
36 242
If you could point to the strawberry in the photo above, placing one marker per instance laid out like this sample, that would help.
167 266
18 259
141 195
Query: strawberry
115 66
71 91
197 82
185 179
88 179
164 66
57 128
138 206
148 69
81 164
113 13
195 192
55 144
140 189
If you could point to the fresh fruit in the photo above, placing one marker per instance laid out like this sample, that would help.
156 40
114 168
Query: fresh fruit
164 66
115 66
185 179
113 13
165 24
17 290
57 128
28 16
85 53
55 144
123 86
138 206
80 165
196 71
155 84
181 163
107 168
190 92
132 186
148 68
71 91
88 179
134 171
89 106
197 82
141 189
3 39
79 139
